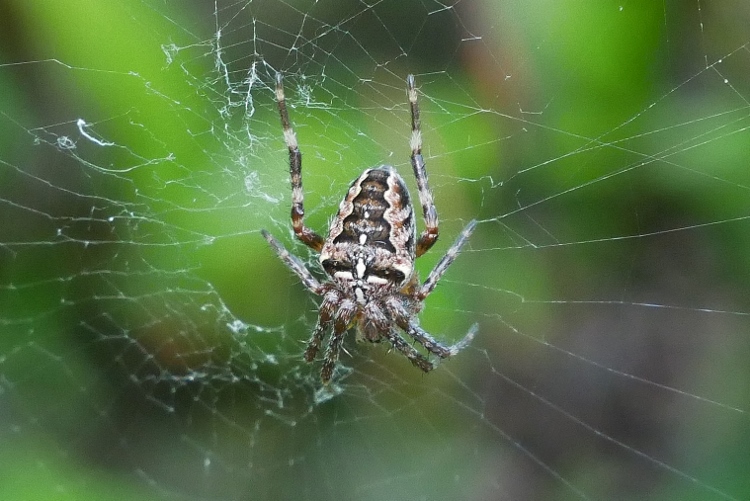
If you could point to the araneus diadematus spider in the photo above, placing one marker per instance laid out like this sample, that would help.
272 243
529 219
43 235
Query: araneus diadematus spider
369 254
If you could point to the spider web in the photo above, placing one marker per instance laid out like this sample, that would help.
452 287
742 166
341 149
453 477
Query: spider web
152 342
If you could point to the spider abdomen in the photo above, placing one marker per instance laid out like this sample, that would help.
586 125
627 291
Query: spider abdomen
371 243
366 223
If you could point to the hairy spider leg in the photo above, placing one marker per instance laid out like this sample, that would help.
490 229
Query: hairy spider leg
340 311
431 344
341 323
304 233
383 324
402 317
430 234
325 317
437 272
296 265
417 359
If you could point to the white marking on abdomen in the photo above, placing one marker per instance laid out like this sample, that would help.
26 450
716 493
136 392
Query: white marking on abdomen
343 275
362 239
361 268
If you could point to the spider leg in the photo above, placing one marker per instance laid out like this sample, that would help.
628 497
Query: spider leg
434 346
382 323
342 320
403 318
294 263
305 234
430 234
432 279
324 321
416 358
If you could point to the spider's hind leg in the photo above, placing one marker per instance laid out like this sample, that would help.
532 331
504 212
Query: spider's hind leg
430 234
304 233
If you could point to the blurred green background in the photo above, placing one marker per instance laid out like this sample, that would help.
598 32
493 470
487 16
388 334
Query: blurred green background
152 342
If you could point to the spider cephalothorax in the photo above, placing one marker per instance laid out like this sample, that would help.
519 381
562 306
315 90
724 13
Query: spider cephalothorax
369 254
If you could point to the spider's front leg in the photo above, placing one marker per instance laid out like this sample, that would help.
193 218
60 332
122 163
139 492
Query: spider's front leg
401 316
325 317
383 325
305 234
334 310
346 309
434 346
416 358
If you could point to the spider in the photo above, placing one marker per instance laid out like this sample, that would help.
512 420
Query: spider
369 255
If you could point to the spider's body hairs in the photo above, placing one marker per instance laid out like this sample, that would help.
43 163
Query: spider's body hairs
369 254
